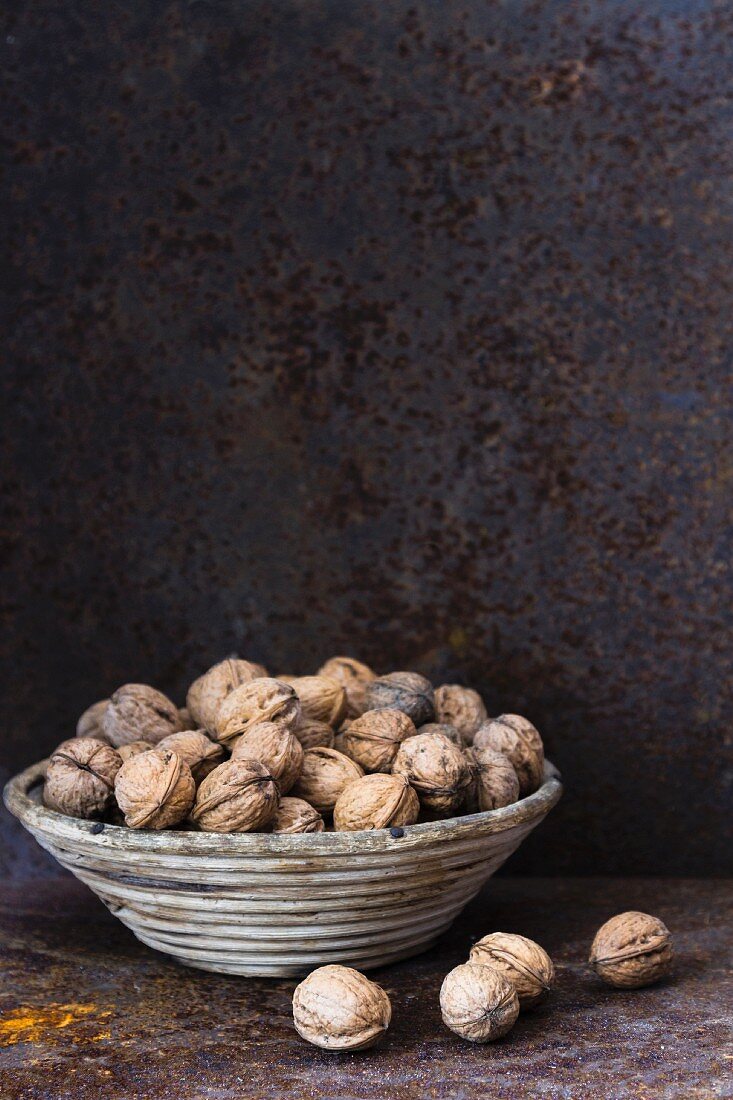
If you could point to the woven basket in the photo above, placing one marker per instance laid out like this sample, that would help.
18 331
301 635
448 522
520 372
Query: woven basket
278 905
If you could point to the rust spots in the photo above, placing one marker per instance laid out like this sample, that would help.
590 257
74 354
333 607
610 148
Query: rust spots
36 1025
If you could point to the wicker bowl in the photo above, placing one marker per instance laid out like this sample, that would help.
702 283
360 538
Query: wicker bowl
278 905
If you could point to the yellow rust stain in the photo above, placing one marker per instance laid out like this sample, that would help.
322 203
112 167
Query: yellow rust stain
31 1025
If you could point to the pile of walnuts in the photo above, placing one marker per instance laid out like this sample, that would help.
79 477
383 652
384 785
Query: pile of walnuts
343 749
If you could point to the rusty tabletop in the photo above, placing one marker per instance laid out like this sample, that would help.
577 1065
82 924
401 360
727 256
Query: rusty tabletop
88 1011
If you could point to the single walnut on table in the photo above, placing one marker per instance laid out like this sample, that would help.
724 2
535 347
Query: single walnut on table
321 698
240 796
376 801
262 700
337 1008
80 777
197 749
154 790
405 691
632 950
208 692
353 676
137 712
478 1003
324 775
373 739
437 769
461 707
494 782
295 815
518 739
527 965
278 749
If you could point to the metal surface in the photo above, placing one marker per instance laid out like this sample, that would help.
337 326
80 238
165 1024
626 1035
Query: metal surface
401 329
87 1011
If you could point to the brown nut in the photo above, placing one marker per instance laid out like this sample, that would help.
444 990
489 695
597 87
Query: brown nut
80 777
442 727
478 1003
261 700
137 712
278 749
494 782
134 748
518 739
324 775
312 734
154 790
376 801
437 769
373 739
632 950
90 722
295 815
321 698
461 707
208 692
353 677
405 691
240 796
337 1008
187 722
527 965
197 749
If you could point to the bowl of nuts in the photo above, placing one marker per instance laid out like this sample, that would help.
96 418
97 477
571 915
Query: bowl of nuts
277 824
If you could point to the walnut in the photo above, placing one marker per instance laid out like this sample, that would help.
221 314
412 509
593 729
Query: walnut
324 775
376 801
373 739
494 781
437 769
80 777
278 749
518 739
261 700
240 796
137 712
632 950
134 748
90 723
478 1002
320 697
337 1008
154 790
447 730
198 750
406 691
187 722
527 965
295 815
312 734
460 707
206 694
353 677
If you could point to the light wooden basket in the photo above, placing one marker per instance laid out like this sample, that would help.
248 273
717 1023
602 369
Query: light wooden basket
279 905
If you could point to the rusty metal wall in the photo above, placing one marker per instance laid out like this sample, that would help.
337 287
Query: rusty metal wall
401 329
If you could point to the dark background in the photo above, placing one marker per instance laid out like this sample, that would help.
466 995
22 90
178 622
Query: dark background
394 329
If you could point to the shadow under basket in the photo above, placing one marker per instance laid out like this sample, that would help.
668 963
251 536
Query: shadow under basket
275 905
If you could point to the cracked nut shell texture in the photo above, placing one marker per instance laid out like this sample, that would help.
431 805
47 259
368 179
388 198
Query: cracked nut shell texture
478 1003
208 692
406 691
376 801
632 950
527 965
154 790
337 1008
260 700
80 777
138 712
240 796
374 738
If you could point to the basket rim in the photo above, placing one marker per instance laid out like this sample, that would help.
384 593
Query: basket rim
37 818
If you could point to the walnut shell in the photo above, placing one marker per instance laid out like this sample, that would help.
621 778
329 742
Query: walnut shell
324 775
518 739
321 698
295 815
134 748
208 692
373 739
137 712
353 677
447 730
80 777
187 722
461 707
337 1008
478 1003
527 965
240 796
312 734
406 691
278 749
154 790
437 769
197 749
260 700
494 781
376 801
632 950
90 722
